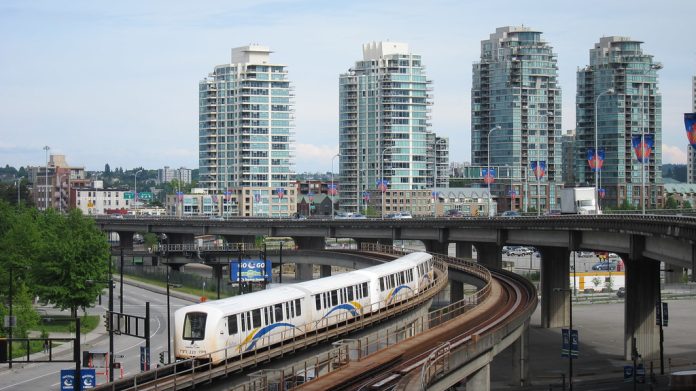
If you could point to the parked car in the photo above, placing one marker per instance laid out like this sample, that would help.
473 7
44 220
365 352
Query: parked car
510 213
604 266
358 216
586 254
521 251
405 215
552 212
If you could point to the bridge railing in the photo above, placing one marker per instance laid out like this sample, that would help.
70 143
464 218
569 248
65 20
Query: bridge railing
291 340
359 349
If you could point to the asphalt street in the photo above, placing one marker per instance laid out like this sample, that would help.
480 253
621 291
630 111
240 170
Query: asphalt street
46 376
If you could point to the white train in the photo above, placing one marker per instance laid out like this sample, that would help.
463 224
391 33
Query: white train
221 329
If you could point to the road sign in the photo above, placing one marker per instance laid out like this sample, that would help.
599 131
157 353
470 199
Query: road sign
661 314
145 195
571 343
129 195
88 378
144 359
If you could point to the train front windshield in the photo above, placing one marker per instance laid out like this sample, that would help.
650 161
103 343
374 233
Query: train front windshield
194 326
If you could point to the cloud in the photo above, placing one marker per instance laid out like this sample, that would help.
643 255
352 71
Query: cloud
672 154
315 158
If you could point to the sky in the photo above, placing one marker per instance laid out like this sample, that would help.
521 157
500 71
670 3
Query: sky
117 82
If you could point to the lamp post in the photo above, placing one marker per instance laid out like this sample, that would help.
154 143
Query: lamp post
333 186
12 320
570 331
136 191
381 169
18 183
488 166
609 91
46 148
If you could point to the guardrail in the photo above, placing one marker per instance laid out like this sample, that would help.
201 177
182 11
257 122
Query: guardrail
360 349
192 371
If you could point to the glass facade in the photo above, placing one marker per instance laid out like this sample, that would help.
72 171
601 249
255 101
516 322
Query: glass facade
632 108
384 128
515 86
246 124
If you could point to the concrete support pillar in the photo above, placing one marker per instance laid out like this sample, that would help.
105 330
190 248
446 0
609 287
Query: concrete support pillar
555 304
324 271
489 254
435 246
675 276
520 359
642 292
303 271
480 380
125 240
463 250
310 243
456 289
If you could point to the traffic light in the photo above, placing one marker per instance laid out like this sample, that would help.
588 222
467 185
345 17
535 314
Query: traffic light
107 321
161 358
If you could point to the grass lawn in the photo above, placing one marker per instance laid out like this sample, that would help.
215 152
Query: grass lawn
191 291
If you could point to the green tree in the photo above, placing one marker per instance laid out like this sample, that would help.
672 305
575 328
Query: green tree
686 205
671 203
73 250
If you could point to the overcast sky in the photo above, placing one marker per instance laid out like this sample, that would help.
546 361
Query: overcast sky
116 82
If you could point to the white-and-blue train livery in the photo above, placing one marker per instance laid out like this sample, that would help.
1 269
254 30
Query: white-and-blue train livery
225 328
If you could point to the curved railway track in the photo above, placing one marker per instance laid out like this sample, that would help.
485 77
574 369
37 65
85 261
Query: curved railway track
512 298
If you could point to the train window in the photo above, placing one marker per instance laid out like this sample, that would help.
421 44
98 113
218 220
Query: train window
232 327
343 296
327 303
317 300
278 312
334 297
243 315
256 317
266 319
299 307
391 280
381 283
194 326
350 293
287 310
364 289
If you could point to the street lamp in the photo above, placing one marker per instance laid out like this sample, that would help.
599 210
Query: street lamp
18 183
333 186
136 190
110 319
381 169
488 165
609 91
570 331
46 148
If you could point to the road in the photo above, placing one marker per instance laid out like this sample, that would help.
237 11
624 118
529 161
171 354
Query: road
46 376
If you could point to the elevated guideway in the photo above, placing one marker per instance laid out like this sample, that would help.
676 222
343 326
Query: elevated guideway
190 373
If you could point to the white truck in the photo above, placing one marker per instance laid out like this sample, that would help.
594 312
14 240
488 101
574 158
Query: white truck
578 200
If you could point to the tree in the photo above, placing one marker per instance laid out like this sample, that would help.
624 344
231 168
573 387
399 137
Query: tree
73 251
107 169
686 205
671 203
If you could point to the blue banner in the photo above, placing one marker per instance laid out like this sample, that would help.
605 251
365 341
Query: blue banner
643 149
570 343
597 161
538 168
88 378
690 124
253 270
488 175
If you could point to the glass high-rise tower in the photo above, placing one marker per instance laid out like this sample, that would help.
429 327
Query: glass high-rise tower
384 129
515 86
630 105
246 131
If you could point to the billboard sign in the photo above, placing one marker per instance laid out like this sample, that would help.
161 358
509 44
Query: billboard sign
253 270
88 377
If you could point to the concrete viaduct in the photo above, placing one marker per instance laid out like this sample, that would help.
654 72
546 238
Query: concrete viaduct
643 241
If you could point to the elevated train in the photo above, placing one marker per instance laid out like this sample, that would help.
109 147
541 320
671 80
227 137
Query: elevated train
222 329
